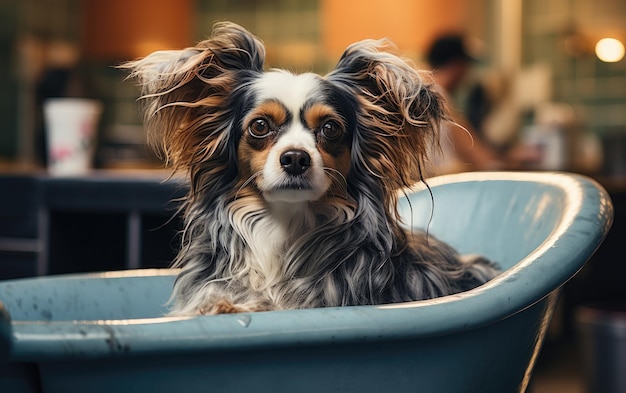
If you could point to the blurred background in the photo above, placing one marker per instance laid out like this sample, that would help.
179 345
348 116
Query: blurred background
537 63
550 74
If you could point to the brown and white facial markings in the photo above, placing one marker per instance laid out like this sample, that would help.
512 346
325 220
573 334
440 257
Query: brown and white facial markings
295 143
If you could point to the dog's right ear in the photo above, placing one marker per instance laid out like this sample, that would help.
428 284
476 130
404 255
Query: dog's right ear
186 93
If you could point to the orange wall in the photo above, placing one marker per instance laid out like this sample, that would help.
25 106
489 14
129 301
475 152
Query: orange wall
125 29
411 24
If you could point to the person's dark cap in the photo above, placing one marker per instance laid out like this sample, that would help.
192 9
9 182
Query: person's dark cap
446 49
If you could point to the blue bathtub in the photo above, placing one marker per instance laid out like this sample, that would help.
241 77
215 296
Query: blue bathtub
106 333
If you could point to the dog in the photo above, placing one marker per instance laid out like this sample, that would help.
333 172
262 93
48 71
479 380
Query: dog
294 178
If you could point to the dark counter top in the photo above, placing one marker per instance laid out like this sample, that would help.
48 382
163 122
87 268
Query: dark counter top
111 191
100 190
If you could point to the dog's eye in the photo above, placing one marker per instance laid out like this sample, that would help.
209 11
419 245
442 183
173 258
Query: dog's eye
331 131
259 128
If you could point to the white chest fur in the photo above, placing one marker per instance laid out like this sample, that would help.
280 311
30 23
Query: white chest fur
268 230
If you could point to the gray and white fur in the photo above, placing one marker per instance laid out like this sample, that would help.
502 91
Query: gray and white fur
294 179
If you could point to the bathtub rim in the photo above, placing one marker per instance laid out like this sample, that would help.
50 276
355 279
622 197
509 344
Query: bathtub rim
36 340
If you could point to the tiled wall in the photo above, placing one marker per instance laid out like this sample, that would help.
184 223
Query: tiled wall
26 27
597 89
289 28
562 33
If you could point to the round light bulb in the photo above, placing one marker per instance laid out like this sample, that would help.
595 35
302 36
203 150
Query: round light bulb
610 50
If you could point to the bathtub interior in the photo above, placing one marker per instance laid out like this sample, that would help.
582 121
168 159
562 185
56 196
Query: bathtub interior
504 220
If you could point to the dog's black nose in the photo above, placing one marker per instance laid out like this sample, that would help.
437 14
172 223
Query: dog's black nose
295 162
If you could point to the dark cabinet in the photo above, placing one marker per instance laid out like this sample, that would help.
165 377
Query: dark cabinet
20 245
100 222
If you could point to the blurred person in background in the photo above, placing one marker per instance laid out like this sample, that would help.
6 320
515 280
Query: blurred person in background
462 146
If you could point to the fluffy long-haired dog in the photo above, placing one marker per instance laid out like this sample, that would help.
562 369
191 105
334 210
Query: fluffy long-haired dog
294 179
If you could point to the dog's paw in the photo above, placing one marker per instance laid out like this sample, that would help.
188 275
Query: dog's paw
223 306
226 307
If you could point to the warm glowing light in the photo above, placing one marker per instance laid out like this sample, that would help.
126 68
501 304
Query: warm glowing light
610 50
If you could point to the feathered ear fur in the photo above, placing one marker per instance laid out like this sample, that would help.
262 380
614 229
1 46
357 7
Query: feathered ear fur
400 113
188 95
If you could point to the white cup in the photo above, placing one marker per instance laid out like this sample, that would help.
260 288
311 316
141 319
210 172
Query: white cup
71 128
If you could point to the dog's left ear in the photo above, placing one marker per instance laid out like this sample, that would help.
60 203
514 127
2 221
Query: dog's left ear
400 115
